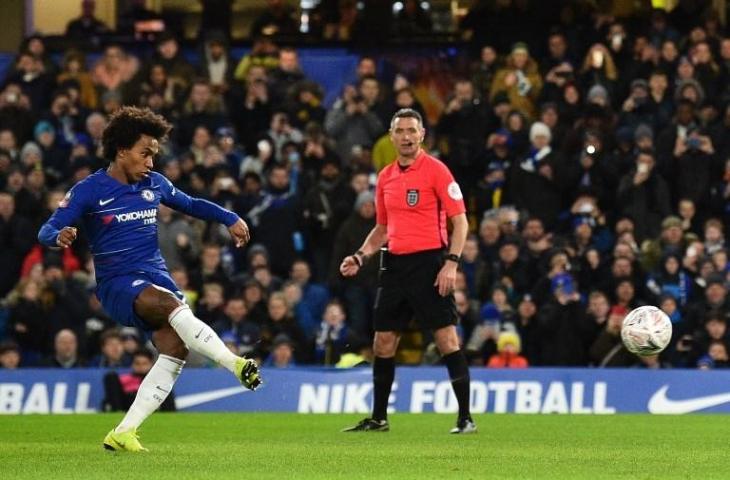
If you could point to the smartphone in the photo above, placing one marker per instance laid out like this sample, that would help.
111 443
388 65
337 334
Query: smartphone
642 168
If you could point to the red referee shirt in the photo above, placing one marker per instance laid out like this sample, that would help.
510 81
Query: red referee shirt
414 203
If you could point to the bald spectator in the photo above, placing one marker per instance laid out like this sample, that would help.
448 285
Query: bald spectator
65 351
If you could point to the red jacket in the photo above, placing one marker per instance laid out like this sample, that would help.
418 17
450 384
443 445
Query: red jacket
507 360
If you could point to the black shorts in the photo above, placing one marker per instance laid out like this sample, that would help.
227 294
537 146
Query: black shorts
406 288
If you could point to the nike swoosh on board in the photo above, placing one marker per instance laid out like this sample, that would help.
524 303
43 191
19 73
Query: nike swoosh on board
660 403
193 399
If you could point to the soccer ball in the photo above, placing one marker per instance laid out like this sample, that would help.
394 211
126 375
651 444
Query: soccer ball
646 331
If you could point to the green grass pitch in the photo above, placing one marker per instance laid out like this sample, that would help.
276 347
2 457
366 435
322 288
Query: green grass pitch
291 446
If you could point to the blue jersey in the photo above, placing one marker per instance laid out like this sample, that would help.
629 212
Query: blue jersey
121 220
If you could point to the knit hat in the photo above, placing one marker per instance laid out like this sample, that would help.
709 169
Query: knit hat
509 338
540 129
489 313
30 148
283 339
597 92
640 83
643 131
43 127
363 198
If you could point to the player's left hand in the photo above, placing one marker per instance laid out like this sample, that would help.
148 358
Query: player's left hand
446 279
239 232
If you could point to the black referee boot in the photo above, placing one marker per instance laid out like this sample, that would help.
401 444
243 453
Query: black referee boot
369 425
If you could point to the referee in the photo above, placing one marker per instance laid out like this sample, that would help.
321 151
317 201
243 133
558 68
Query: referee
413 198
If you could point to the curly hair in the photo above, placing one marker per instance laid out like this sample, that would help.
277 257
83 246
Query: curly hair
127 125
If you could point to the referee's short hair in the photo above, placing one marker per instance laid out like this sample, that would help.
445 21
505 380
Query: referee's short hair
406 113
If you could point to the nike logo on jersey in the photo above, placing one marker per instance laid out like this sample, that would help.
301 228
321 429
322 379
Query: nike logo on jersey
104 202
660 403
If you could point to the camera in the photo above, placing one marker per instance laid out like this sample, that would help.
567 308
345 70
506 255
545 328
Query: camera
693 143
358 98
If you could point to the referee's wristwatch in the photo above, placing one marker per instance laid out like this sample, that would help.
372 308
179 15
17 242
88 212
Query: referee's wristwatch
453 257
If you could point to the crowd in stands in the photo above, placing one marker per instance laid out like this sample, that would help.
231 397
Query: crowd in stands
594 159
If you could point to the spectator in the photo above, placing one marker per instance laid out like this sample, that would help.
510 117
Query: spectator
26 323
276 20
218 67
14 232
314 295
280 320
9 355
285 76
332 334
483 71
325 208
275 220
251 108
716 357
178 241
120 389
114 69
281 133
264 53
65 351
282 353
520 80
643 194
608 350
351 123
112 351
74 68
33 80
464 123
535 186
87 26
202 108
508 356
167 53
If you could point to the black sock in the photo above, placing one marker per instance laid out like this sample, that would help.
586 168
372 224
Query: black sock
383 375
460 381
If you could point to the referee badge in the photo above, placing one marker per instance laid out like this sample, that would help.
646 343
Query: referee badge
412 197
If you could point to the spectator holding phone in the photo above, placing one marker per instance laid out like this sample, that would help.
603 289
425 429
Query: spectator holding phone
644 196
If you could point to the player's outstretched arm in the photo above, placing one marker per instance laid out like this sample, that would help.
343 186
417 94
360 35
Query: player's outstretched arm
57 232
204 210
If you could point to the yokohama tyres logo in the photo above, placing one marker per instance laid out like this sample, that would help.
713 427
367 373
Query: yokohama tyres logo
149 216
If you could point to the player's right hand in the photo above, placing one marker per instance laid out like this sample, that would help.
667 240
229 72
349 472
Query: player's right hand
66 237
349 266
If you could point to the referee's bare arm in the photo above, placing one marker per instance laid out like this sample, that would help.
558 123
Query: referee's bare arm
376 238
446 279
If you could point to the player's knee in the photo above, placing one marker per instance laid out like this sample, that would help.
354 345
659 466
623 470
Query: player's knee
447 341
385 344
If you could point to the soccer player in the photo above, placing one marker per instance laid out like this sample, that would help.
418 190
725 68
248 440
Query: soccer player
414 196
118 208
